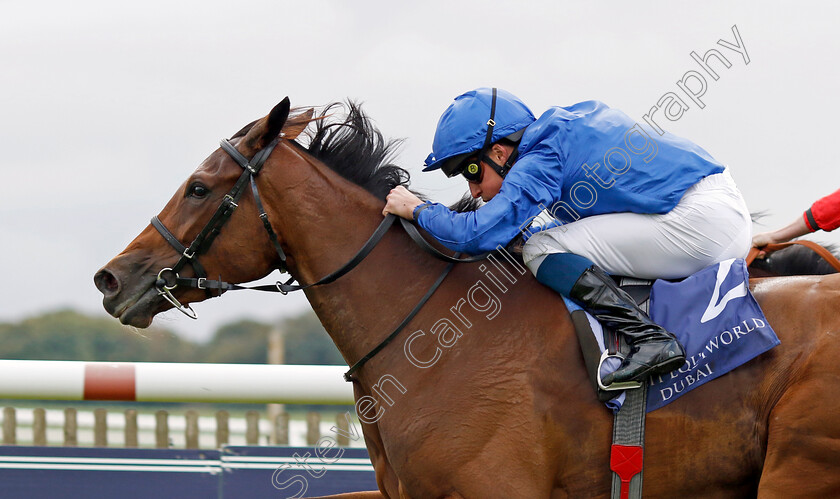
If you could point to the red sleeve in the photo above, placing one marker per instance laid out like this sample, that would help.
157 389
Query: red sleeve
825 213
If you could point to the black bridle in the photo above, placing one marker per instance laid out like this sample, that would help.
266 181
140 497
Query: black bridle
168 278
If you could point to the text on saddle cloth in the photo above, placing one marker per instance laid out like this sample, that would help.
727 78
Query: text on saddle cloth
714 316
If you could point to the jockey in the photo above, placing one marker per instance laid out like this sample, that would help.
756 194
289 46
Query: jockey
824 214
622 203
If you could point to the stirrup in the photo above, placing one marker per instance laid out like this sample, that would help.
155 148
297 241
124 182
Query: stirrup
615 386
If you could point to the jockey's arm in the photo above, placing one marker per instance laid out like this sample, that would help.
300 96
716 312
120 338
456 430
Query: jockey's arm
532 185
495 223
823 214
794 229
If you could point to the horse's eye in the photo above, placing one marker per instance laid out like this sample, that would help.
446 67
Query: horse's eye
198 191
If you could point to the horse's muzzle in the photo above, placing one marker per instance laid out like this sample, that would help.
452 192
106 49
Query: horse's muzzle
107 283
133 303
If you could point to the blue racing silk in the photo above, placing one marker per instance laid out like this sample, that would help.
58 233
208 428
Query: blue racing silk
578 161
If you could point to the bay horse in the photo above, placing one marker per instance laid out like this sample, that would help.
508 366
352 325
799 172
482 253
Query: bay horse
483 395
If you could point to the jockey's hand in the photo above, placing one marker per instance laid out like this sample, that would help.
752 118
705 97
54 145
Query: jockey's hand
401 202
795 229
763 239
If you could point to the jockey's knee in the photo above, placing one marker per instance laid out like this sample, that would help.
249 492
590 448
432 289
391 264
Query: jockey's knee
538 247
560 271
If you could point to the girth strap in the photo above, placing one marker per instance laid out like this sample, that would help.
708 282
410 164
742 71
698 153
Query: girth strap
627 452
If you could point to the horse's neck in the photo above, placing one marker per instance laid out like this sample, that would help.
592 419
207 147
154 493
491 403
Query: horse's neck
325 220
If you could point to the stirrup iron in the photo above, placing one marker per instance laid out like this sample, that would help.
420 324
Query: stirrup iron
621 385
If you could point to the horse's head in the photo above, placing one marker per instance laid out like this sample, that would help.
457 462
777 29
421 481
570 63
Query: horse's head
216 199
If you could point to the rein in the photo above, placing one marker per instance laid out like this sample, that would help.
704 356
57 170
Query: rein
816 248
168 278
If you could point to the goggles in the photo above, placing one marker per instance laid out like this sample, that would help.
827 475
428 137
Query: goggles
472 170
467 165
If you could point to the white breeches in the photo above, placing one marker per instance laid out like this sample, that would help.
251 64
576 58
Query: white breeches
711 223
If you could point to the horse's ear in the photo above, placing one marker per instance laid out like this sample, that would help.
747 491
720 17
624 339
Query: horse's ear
268 128
298 124
276 119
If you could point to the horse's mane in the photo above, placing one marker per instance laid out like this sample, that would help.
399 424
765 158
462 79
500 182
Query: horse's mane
345 139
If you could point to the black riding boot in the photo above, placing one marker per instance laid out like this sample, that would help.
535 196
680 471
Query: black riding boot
652 349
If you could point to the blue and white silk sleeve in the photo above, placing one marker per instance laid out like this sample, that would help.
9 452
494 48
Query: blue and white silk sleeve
495 223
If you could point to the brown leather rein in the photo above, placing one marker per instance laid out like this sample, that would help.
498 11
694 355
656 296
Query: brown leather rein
816 248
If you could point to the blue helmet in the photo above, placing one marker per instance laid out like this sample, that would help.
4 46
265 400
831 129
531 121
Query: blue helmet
474 121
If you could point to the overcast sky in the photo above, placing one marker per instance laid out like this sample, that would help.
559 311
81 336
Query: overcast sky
106 107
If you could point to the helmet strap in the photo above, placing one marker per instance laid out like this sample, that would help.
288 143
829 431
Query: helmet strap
491 123
502 170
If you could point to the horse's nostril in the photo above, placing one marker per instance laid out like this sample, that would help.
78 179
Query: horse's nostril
106 282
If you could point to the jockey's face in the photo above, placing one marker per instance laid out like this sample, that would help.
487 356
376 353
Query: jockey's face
491 182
